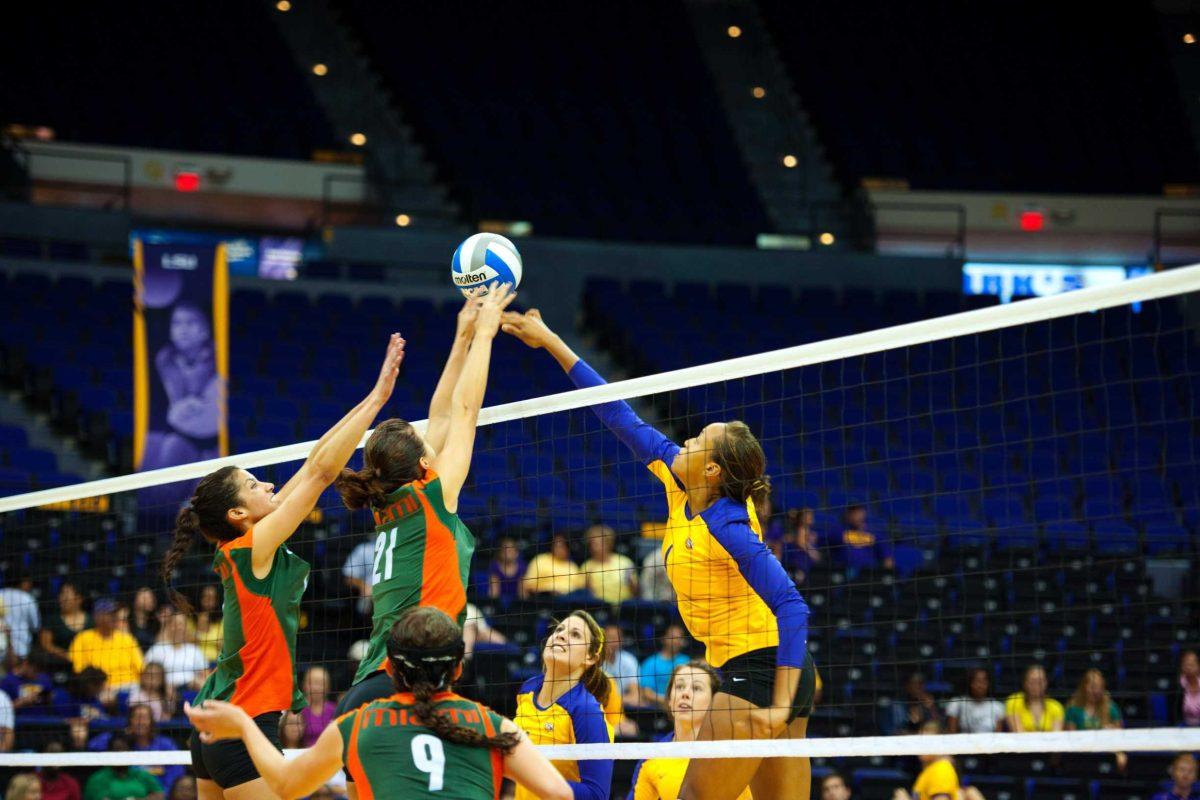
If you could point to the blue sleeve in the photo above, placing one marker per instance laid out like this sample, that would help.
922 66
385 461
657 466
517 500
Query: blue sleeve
768 579
644 440
595 776
637 771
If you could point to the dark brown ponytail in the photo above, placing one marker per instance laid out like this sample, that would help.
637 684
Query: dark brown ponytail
202 518
426 649
391 458
743 466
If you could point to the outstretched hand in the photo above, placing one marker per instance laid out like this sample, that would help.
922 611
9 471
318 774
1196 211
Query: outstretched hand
390 369
527 327
491 307
215 720
468 314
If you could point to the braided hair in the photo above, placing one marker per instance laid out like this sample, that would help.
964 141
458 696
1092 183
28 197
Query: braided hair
425 648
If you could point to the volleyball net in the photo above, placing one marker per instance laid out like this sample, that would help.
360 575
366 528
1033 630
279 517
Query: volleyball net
958 499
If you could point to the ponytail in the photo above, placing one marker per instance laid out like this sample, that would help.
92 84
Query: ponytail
743 466
204 517
391 458
187 532
425 711
361 489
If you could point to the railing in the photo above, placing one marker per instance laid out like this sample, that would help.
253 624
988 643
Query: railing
861 220
1161 214
122 194
376 202
958 242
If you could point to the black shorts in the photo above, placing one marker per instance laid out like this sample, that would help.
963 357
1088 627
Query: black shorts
227 762
376 686
751 676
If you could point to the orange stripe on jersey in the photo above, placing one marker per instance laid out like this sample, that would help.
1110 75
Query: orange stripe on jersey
354 764
497 756
266 683
441 584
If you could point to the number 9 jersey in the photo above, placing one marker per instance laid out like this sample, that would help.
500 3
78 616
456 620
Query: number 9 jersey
388 753
422 558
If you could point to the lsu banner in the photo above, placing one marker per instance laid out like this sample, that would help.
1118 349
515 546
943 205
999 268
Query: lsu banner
180 351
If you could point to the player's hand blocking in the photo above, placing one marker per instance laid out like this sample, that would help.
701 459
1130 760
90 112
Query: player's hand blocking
527 327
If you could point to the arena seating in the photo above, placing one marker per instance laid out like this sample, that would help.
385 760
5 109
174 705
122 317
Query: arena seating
159 82
489 102
1038 121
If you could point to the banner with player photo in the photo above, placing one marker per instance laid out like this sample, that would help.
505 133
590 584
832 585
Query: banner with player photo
181 350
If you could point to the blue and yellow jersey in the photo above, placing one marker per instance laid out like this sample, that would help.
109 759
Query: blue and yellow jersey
733 594
575 718
662 778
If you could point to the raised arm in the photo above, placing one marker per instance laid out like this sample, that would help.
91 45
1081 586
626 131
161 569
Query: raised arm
324 466
299 777
439 404
647 443
454 460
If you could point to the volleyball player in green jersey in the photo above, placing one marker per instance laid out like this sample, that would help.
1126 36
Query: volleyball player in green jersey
249 524
411 484
421 741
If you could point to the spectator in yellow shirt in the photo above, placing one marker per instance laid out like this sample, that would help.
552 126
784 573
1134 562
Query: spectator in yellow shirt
553 572
1030 710
106 648
611 577
938 779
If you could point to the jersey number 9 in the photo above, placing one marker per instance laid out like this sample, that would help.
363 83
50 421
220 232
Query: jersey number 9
429 757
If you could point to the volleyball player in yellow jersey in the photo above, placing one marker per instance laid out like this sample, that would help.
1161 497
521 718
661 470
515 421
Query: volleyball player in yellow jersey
566 703
733 594
689 695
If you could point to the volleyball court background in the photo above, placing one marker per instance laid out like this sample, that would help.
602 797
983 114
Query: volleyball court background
1037 485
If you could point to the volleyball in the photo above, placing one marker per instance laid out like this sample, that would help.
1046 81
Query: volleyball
485 260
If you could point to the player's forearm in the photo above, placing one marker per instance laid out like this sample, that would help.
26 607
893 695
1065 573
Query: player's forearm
344 437
646 442
472 382
563 354
439 404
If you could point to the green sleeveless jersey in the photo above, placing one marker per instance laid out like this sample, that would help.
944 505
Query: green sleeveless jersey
422 558
257 665
388 753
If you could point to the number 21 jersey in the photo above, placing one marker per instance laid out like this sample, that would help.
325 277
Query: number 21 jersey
422 558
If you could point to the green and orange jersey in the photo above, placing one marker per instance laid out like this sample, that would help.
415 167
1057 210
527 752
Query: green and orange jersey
389 753
422 558
257 665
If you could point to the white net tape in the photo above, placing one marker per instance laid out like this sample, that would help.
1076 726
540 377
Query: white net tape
1150 740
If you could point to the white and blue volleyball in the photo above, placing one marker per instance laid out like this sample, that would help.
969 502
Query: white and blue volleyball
485 260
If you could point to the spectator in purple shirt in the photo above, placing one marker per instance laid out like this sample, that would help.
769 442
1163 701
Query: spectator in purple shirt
1189 688
505 571
800 544
28 688
1183 777
860 548
321 710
